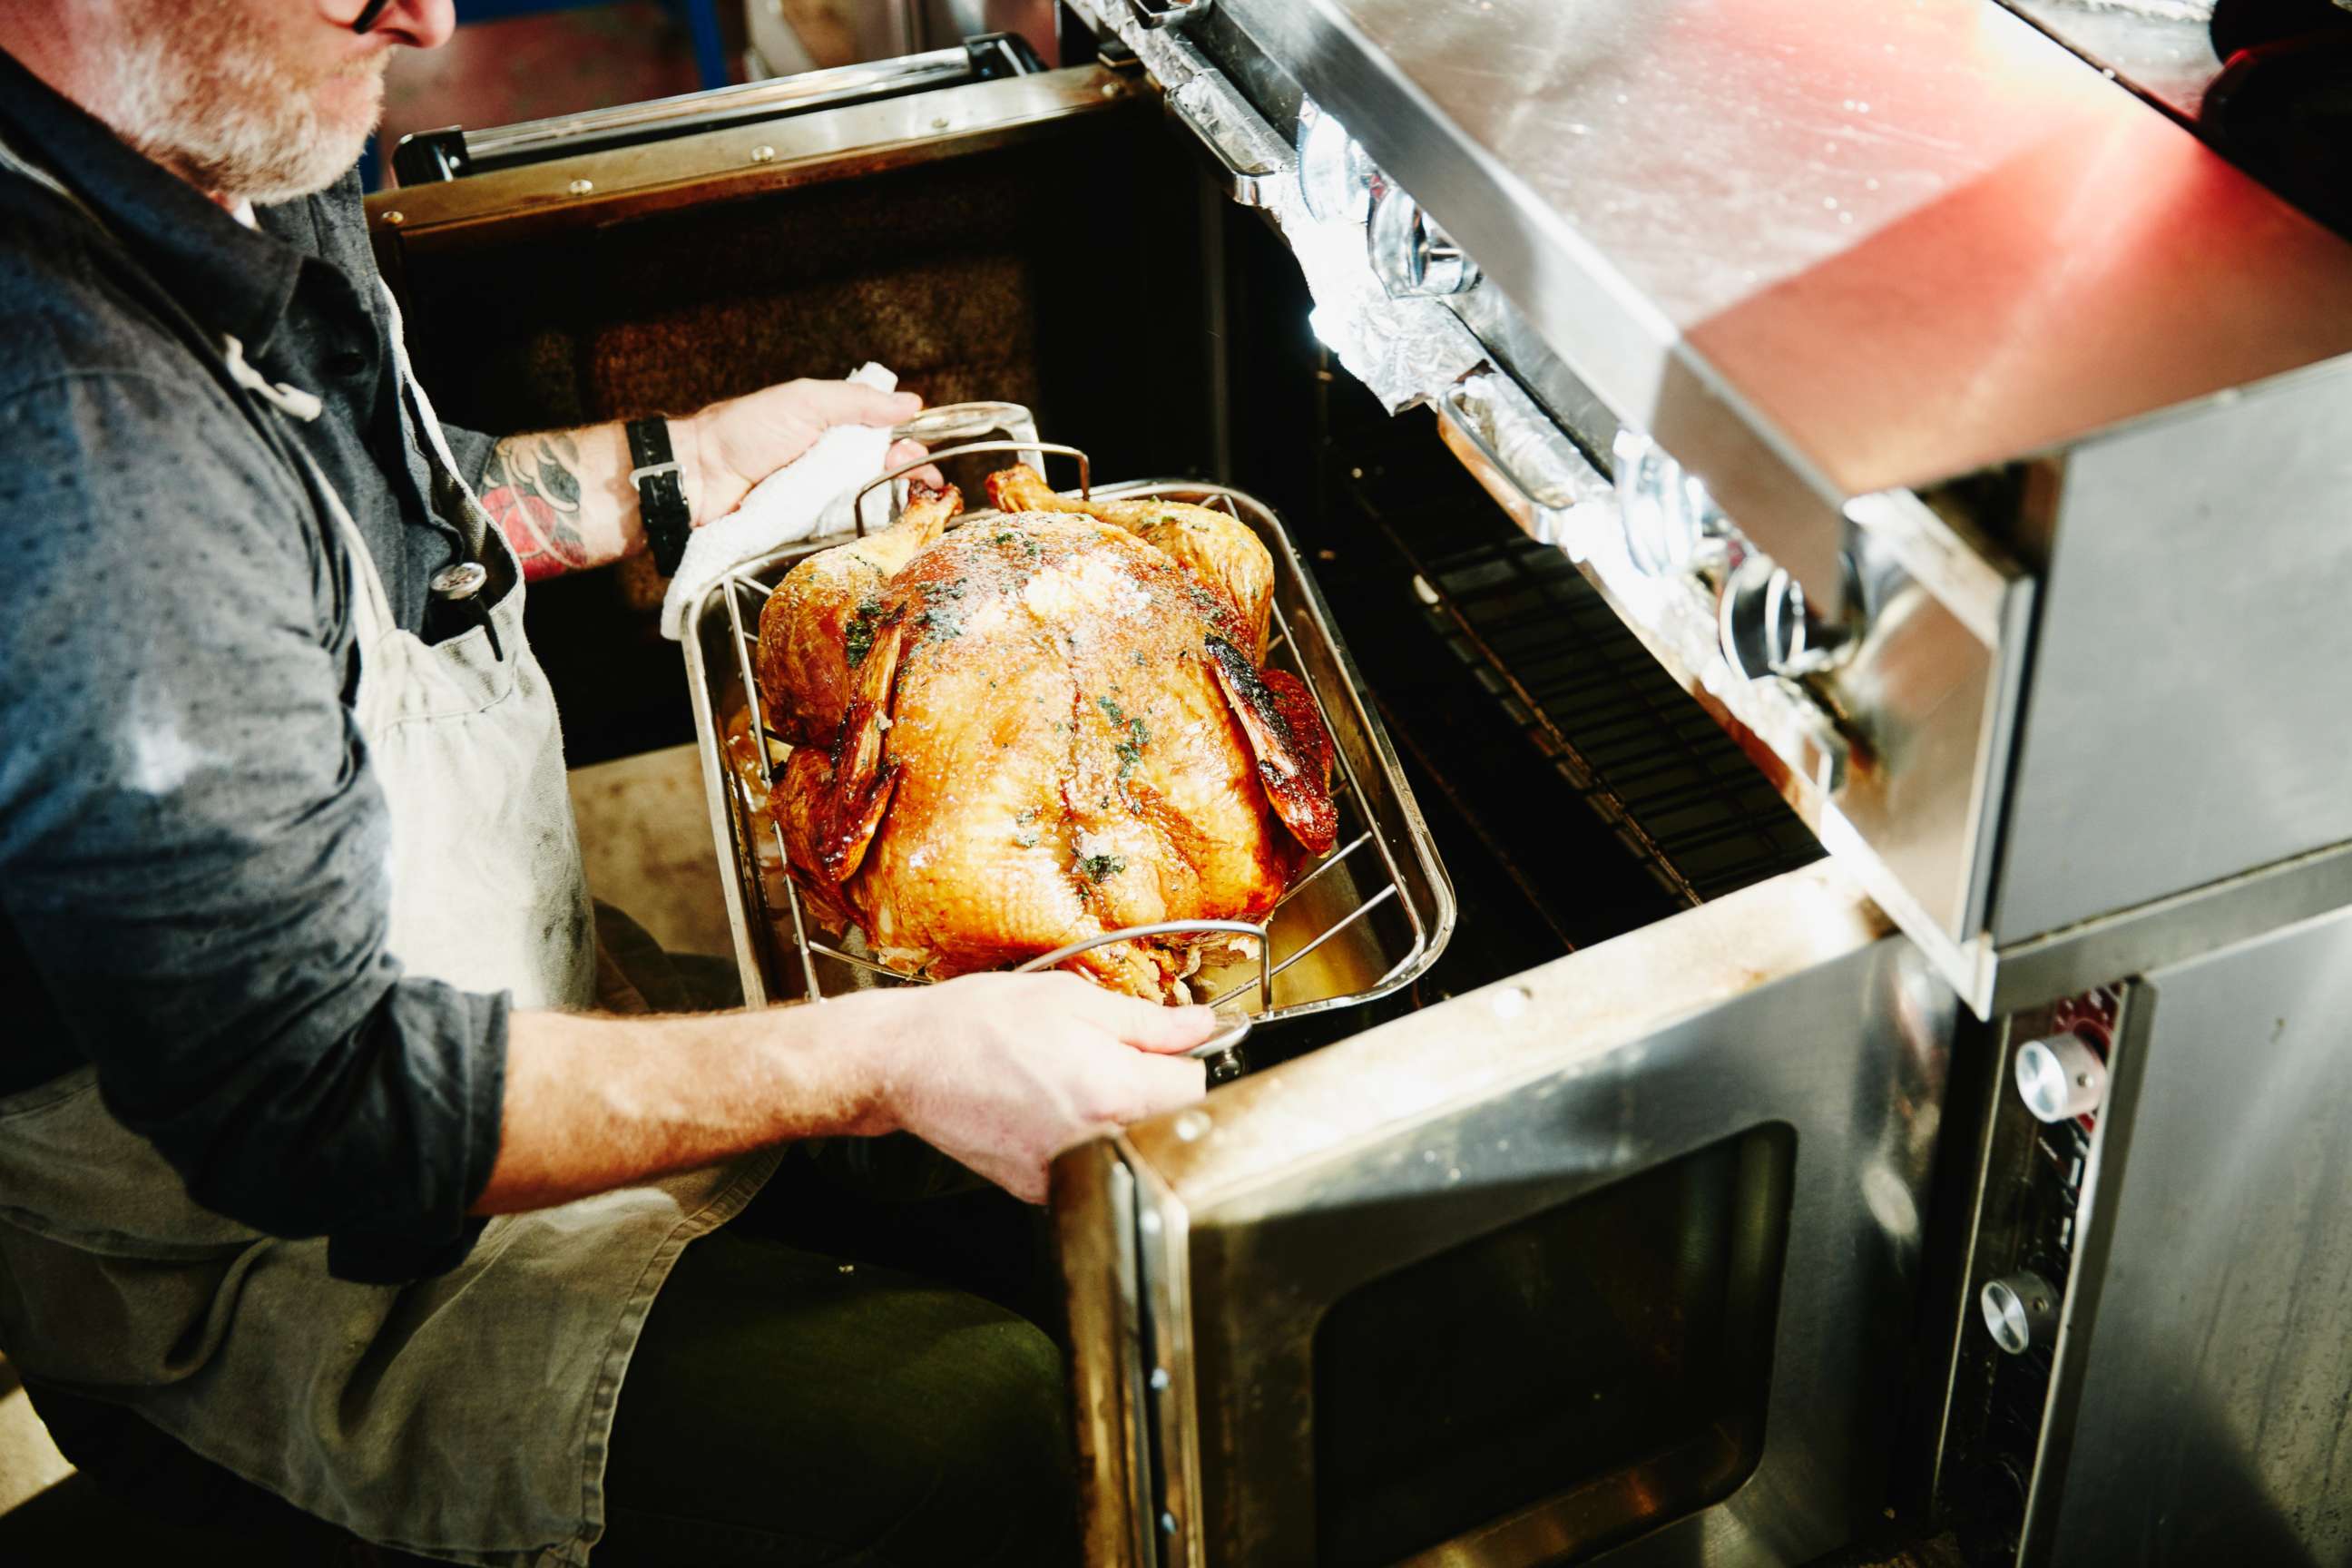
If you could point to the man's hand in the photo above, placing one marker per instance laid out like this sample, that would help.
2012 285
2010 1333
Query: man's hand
1001 1071
730 446
1004 1071
563 500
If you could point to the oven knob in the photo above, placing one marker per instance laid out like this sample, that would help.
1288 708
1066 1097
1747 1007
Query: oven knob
1412 255
1665 512
2021 1309
1335 174
1760 620
2060 1077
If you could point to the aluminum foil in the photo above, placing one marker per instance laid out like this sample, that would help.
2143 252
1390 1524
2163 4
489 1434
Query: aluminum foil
1407 351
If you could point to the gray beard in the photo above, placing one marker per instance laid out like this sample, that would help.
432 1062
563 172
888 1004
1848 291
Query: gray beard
223 114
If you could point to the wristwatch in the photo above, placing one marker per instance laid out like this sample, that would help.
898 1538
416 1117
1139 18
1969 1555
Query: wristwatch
661 492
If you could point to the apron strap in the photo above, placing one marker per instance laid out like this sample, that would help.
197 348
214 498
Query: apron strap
473 518
292 402
42 177
374 616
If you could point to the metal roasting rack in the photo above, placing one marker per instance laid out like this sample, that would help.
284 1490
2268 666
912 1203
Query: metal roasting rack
1674 790
1358 922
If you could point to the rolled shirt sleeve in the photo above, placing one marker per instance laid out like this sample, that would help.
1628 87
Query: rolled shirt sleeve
193 847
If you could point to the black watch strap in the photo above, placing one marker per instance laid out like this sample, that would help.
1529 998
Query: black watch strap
661 492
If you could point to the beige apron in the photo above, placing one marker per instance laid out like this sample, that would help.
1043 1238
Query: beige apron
464 1416
487 889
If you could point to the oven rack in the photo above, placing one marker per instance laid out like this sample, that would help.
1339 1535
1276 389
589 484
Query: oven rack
1673 789
1377 906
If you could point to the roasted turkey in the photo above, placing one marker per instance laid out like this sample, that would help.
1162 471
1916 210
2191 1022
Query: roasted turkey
1037 727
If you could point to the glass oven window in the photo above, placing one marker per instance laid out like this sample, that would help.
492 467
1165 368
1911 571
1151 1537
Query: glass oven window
1602 1363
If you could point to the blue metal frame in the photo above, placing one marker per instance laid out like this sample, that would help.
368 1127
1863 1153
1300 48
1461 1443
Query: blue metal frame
701 21
702 27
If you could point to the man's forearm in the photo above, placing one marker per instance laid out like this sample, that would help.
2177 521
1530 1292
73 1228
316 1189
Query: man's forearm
596 1103
562 498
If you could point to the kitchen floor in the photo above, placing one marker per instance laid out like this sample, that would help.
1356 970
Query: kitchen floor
29 1463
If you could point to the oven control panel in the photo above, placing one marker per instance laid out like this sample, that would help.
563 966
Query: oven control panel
2039 1163
1869 707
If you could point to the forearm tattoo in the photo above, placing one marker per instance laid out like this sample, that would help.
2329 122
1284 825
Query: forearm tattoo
531 490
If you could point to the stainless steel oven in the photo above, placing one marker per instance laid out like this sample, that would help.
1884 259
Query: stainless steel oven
1861 620
1637 1262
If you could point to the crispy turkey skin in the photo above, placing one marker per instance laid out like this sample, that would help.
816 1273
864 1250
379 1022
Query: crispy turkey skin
1217 549
1042 727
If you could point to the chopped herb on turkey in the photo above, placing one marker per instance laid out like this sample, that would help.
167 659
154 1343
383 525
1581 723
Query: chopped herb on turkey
1130 751
857 637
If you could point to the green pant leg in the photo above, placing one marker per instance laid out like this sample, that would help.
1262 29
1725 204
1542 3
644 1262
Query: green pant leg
784 1410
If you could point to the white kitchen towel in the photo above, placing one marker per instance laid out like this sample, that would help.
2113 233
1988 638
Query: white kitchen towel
810 495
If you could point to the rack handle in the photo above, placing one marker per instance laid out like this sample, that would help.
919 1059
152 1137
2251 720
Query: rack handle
1177 927
967 421
857 501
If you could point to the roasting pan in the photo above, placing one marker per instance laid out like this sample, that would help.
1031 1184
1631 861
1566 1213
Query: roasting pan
1360 922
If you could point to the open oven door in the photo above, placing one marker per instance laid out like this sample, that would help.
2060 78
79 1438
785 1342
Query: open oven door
1617 1257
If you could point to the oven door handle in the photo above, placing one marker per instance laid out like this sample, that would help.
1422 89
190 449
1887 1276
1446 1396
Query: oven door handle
1251 158
1164 12
1519 455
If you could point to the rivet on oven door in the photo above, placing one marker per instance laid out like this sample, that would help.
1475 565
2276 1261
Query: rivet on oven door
396 218
1112 90
1158 1379
1167 1525
581 187
941 124
1510 1001
1192 1127
1148 1221
763 153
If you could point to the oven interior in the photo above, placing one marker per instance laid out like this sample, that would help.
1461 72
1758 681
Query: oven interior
1090 271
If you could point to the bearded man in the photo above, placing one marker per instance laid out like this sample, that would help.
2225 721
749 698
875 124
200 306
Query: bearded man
322 1182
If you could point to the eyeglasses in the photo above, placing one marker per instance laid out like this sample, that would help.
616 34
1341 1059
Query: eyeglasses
365 21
